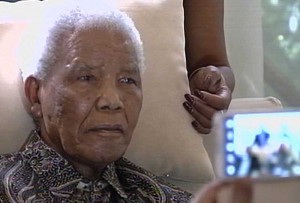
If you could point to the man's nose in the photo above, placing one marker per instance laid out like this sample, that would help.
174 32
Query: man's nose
109 99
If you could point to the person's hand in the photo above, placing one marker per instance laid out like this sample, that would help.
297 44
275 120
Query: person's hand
209 94
241 192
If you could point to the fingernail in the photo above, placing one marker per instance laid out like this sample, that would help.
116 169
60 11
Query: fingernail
195 124
187 106
199 94
189 98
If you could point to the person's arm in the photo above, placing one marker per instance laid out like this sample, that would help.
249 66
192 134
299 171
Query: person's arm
204 35
210 76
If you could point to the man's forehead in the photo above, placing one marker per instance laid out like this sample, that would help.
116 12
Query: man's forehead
82 61
89 40
92 33
95 47
81 64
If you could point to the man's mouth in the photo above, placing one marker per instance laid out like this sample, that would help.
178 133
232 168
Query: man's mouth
107 128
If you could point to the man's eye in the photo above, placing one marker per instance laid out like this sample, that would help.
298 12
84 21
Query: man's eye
128 80
85 78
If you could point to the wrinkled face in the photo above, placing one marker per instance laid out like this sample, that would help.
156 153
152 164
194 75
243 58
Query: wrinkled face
91 100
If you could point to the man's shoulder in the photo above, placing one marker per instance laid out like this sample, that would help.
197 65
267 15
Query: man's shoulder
132 175
7 160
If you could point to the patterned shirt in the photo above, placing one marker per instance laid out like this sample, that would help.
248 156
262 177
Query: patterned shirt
39 174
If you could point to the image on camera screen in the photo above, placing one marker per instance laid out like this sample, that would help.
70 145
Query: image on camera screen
262 144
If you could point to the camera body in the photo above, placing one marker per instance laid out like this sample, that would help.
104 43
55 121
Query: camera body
258 144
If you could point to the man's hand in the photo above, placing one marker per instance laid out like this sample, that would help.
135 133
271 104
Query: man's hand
241 192
209 94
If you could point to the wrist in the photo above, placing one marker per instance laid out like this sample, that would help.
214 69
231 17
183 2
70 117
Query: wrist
194 73
207 69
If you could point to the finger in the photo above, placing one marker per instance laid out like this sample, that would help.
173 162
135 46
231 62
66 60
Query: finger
210 192
201 107
200 129
218 101
242 191
200 118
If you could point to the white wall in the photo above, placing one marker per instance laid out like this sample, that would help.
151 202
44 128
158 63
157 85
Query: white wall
243 32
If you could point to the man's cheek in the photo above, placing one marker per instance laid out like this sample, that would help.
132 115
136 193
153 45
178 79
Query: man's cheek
73 122
77 103
75 112
133 115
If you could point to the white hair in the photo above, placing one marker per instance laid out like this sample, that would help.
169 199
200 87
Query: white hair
66 19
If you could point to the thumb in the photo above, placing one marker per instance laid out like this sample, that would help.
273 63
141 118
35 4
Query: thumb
242 191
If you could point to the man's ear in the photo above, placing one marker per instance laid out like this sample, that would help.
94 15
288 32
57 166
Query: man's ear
31 87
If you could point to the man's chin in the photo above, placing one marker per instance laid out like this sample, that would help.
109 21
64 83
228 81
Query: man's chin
96 155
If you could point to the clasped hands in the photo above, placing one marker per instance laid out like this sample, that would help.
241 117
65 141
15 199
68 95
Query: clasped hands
209 94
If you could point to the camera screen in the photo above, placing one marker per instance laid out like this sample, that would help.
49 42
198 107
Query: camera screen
262 144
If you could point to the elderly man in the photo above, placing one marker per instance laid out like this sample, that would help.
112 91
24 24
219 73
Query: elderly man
85 99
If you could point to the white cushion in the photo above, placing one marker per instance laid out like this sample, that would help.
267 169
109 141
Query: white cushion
15 123
164 141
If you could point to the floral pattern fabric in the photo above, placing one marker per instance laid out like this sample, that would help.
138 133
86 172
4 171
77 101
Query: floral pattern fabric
39 174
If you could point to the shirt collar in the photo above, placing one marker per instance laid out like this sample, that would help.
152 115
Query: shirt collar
47 163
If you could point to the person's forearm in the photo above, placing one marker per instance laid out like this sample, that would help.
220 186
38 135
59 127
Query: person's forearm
205 41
